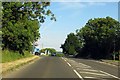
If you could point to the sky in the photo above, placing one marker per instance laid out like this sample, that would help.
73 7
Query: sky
70 17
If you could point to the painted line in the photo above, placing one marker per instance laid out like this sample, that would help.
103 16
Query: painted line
89 77
94 73
78 74
91 70
64 59
106 63
110 74
69 64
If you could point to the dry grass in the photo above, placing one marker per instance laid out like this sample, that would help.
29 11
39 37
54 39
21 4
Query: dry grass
8 66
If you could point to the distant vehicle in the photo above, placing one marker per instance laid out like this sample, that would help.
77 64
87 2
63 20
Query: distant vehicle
53 54
37 53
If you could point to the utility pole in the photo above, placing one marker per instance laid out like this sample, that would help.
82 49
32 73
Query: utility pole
114 51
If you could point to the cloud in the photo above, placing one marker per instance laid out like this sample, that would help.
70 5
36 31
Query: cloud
71 5
96 4
78 5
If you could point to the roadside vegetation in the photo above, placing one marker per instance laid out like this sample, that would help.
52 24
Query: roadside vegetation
98 39
59 54
8 56
20 27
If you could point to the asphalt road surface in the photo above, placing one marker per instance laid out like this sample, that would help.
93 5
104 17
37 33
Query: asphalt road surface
56 67
46 67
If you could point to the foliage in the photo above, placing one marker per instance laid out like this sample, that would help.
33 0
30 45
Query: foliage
71 44
20 23
8 56
99 38
51 50
59 54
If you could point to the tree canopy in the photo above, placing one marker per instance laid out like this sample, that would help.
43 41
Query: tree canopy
99 38
20 23
51 50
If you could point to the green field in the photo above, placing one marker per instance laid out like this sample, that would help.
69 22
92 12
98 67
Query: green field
8 56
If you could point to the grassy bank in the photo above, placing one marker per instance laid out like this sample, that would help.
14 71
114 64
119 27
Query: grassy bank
8 56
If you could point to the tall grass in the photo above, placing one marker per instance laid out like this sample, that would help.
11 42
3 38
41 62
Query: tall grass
8 56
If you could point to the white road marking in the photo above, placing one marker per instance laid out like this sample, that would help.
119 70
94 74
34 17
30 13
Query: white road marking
106 63
91 70
94 73
69 64
78 74
89 77
64 59
110 74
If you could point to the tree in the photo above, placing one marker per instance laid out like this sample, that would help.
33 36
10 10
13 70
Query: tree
51 50
20 23
99 35
99 38
71 44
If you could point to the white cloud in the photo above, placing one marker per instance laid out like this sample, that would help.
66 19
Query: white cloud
79 5
73 5
96 3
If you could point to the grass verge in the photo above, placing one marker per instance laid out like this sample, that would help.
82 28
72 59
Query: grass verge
11 66
8 56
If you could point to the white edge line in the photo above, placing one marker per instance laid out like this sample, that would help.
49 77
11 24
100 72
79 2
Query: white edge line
110 74
78 74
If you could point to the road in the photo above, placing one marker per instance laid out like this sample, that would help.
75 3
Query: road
46 67
56 67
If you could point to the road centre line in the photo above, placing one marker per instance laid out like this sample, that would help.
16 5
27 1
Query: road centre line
69 64
74 70
78 74
110 75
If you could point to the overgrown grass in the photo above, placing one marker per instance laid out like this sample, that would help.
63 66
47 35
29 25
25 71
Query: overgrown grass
8 56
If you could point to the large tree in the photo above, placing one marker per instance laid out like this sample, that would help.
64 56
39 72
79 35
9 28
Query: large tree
101 37
20 23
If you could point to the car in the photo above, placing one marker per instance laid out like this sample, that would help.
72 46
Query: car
53 54
37 53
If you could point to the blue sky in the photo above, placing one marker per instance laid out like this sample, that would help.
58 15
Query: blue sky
71 16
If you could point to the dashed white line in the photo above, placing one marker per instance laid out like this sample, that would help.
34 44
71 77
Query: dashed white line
69 64
109 74
78 74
